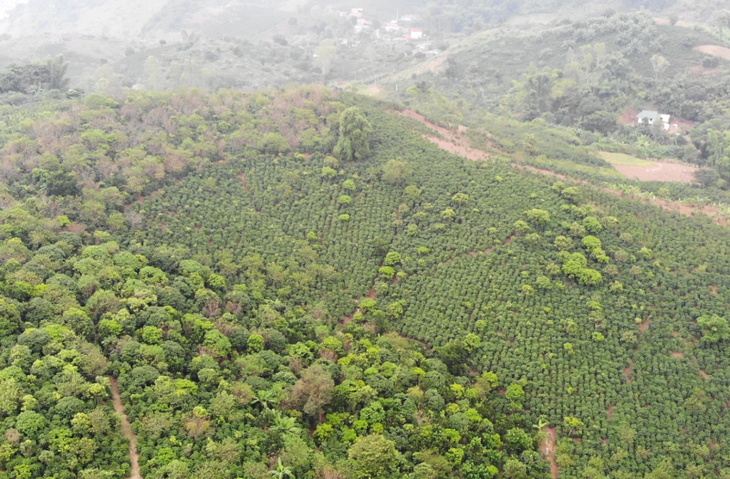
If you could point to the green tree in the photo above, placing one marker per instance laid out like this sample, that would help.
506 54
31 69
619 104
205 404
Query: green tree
373 456
354 140
659 64
313 391
714 328
281 471
395 171
325 53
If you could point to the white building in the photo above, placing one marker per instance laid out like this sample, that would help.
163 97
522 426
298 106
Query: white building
650 116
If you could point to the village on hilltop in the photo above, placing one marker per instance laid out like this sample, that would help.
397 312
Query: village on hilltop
399 29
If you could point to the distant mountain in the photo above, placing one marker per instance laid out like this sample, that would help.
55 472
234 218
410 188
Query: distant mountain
160 19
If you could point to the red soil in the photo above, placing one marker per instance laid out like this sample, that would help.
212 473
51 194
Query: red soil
722 52
126 429
628 117
547 448
628 370
609 415
660 171
644 325
452 141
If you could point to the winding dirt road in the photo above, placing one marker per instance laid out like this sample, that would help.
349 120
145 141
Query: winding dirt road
126 429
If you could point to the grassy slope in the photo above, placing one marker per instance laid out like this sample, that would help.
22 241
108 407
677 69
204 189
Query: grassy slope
623 159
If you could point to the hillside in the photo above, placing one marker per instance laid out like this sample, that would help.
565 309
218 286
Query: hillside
266 304
223 41
588 66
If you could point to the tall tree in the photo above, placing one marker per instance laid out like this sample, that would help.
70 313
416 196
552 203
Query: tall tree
373 456
396 171
355 129
313 391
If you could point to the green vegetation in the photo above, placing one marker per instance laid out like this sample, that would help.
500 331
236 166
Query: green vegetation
297 284
225 333
294 283
623 159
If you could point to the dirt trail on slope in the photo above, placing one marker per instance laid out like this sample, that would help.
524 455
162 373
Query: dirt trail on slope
452 141
548 450
126 429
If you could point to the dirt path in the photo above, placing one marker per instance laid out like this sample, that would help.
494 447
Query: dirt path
548 450
126 429
628 370
452 141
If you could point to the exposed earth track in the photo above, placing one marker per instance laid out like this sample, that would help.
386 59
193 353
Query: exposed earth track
126 429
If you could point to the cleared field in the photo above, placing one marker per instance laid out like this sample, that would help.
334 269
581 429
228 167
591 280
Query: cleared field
624 159
661 171
716 50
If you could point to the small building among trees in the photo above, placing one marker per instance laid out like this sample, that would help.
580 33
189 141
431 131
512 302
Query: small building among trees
650 116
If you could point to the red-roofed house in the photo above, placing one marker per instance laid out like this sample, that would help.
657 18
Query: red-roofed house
416 33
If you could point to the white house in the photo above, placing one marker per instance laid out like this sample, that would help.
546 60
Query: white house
416 33
650 116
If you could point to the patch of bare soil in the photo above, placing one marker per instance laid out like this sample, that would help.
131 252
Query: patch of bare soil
547 448
629 369
718 51
715 291
374 90
660 171
644 325
126 429
433 66
704 374
243 179
677 354
452 141
609 414
628 117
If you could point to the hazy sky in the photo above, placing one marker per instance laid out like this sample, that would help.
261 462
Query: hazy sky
7 5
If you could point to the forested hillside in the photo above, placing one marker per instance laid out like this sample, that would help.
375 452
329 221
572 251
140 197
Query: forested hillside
298 282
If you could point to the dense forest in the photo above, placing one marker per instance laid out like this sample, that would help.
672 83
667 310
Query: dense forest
295 283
